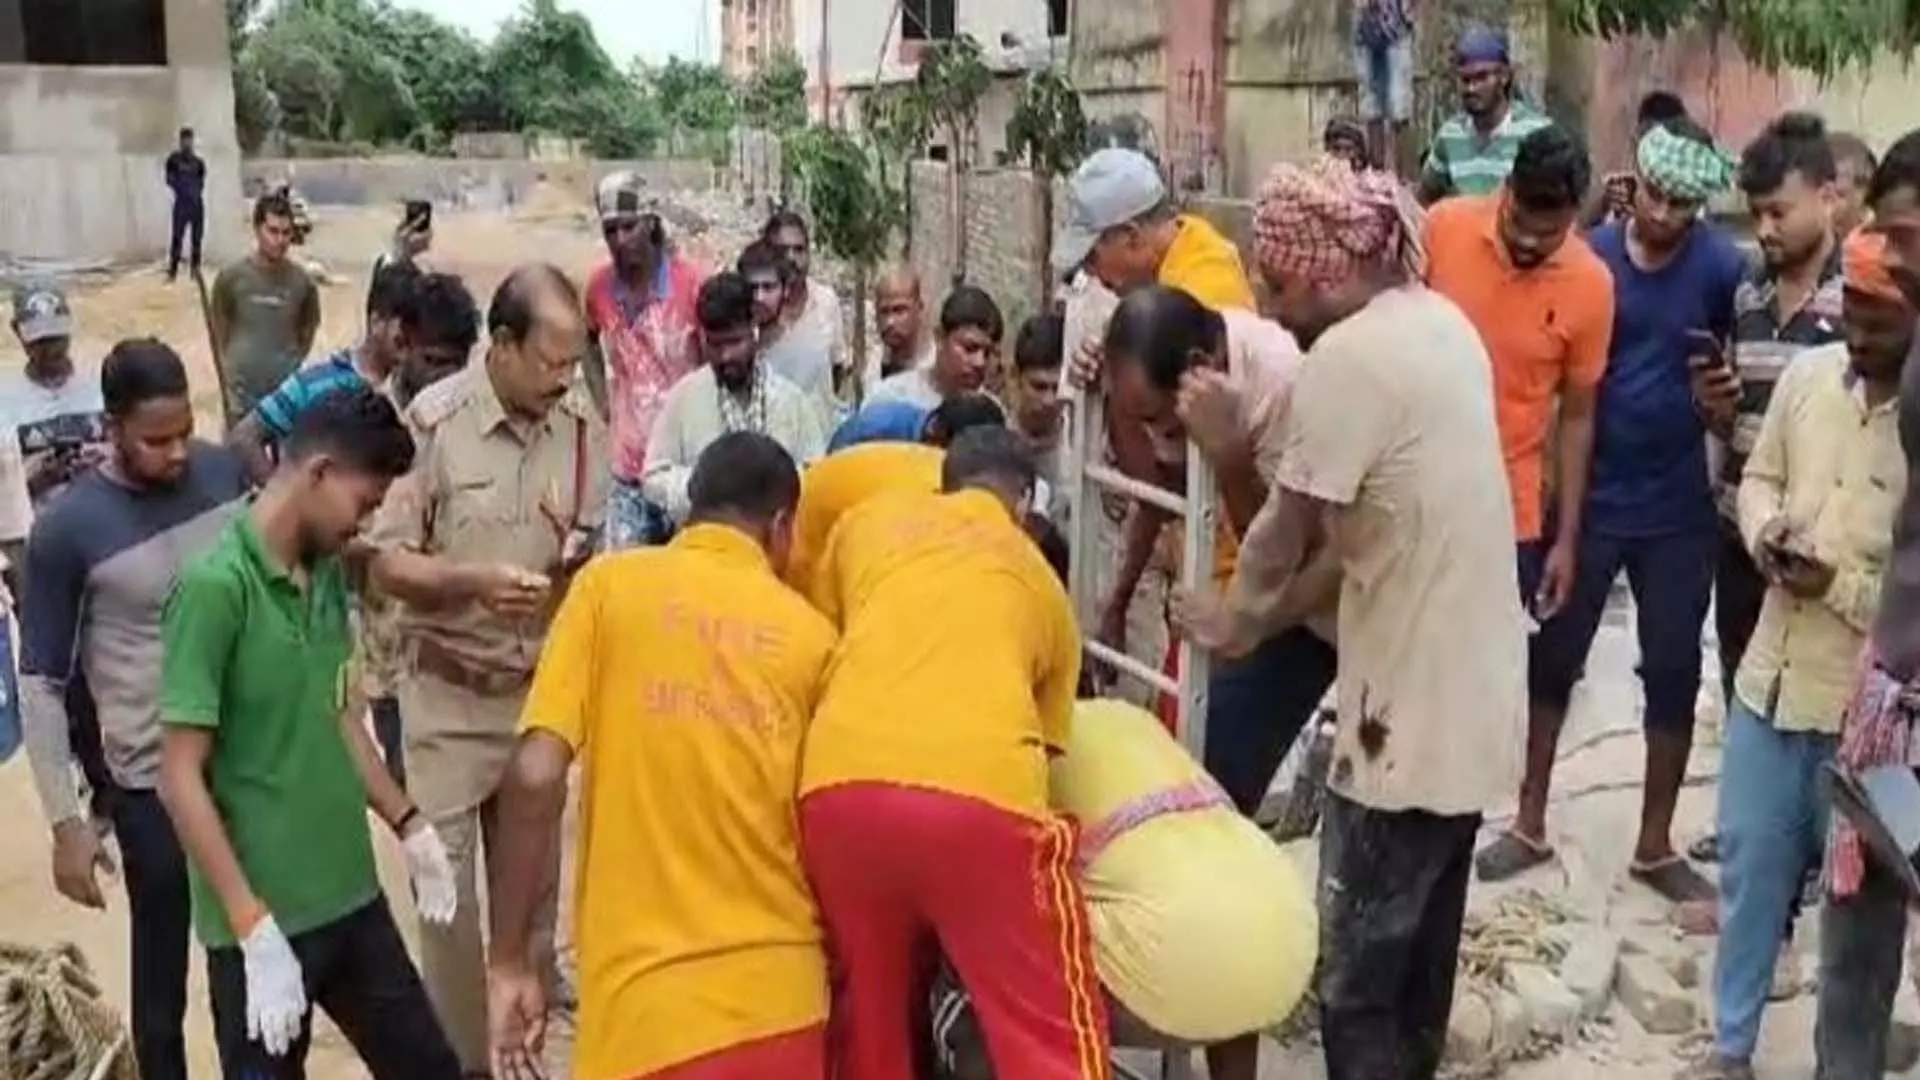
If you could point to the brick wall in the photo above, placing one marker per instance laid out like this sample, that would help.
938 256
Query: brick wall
1005 250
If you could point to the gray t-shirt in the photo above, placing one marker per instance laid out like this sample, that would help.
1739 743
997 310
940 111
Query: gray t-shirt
1896 631
271 313
42 418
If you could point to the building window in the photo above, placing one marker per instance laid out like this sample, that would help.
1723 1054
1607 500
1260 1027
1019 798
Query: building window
926 20
95 32
1057 18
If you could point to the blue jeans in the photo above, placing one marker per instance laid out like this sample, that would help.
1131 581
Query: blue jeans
1257 705
1773 823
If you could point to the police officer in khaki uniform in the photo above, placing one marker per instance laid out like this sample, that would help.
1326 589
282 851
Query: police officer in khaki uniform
503 501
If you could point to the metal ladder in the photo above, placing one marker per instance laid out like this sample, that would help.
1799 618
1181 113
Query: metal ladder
1086 478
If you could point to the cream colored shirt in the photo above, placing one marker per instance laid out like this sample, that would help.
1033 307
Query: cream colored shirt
1392 425
1831 468
690 420
873 376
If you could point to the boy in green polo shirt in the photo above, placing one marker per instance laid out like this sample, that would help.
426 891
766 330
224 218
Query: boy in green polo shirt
268 783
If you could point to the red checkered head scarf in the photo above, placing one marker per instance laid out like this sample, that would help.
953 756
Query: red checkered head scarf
1325 222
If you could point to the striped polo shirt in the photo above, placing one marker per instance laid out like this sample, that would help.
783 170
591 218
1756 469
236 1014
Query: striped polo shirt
1460 162
1765 341
301 389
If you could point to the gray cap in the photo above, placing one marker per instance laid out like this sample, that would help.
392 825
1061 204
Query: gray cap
40 312
624 194
1111 188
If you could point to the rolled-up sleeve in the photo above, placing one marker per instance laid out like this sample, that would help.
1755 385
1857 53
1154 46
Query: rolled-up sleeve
52 610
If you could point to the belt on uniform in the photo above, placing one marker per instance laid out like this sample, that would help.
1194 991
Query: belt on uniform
434 659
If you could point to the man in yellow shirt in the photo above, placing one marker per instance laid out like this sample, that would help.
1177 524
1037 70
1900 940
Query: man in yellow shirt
699 946
926 765
848 477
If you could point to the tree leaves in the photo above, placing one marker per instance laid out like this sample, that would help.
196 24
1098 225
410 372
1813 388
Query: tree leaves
1048 129
1821 36
853 209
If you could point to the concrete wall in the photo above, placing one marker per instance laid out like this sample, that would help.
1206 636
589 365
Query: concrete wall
863 36
82 149
465 182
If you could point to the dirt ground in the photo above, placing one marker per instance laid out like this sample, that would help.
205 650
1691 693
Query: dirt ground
1593 823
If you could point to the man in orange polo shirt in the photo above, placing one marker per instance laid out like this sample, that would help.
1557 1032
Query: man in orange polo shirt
699 945
1543 303
926 765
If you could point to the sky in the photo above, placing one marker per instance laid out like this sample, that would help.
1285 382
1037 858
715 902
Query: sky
652 29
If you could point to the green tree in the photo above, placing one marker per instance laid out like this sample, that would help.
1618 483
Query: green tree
775 98
693 96
553 76
1048 134
953 77
895 118
1821 36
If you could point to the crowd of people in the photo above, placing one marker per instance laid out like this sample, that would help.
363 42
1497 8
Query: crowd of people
794 636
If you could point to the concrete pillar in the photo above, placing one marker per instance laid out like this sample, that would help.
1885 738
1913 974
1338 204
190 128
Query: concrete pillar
1196 104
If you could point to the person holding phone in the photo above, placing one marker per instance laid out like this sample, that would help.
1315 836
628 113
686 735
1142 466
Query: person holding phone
411 239
1649 510
1816 509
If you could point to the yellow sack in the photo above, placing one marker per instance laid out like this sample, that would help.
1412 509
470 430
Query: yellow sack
1202 927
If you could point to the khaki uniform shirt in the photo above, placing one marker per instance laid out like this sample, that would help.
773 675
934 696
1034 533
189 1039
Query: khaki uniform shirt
485 488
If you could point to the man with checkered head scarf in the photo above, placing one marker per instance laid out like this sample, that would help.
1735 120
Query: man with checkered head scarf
1650 510
1391 445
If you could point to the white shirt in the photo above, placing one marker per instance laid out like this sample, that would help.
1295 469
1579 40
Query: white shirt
690 420
872 377
914 387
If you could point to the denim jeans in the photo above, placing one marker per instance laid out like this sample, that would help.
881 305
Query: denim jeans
159 909
1257 705
632 521
1772 822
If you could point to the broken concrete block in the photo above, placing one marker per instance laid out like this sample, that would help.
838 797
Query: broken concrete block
1512 1027
1469 1028
1653 996
1552 1009
1588 969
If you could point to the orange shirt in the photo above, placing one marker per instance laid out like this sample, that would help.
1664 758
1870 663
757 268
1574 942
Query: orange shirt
1547 328
695 926
843 480
958 658
1205 265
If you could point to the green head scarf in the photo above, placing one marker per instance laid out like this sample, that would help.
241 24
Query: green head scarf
1681 167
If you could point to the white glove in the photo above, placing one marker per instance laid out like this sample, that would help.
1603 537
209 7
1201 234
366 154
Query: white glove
276 996
434 894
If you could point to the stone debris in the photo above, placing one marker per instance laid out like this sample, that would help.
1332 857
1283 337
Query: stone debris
1470 1027
1587 968
1653 997
1551 1008
1512 1024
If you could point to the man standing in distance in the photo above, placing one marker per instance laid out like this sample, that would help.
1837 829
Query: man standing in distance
1789 301
786 349
265 311
476 542
900 316
1473 151
1854 164
811 318
100 564
187 180
1543 304
1392 444
732 390
970 333
52 407
641 310
1649 505
268 777
700 946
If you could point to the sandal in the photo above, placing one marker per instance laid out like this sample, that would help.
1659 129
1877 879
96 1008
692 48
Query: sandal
1706 849
1510 855
1674 879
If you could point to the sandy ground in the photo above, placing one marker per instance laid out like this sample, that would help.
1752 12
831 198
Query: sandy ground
1596 783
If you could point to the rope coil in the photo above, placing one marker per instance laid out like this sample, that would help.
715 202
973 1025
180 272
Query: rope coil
54 1023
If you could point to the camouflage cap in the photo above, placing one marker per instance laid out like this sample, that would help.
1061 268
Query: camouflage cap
40 311
624 194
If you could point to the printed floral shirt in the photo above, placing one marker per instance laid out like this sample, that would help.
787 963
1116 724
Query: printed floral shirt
650 343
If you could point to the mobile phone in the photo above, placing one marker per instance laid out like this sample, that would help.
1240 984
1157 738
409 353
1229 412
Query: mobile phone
419 215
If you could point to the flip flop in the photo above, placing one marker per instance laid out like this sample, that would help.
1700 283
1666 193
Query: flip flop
1706 849
1673 878
1510 855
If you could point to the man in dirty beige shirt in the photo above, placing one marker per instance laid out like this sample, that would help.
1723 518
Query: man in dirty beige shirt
477 542
1392 461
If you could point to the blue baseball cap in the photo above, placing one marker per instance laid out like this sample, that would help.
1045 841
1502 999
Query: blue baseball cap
1111 188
